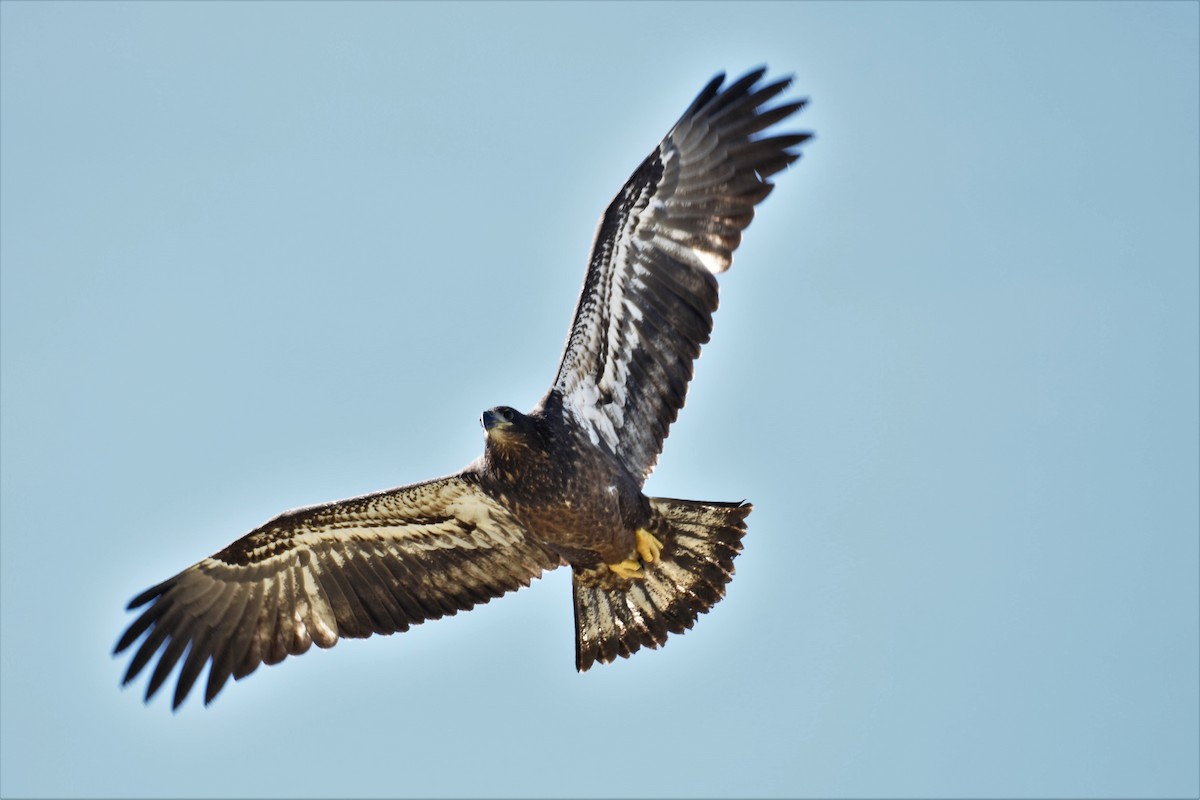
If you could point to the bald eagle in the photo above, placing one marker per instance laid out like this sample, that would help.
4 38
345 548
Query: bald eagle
561 485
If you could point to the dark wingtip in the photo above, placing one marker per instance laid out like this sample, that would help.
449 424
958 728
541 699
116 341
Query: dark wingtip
737 89
710 90
131 634
147 596
753 75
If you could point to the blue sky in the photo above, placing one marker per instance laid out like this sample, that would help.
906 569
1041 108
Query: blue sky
255 256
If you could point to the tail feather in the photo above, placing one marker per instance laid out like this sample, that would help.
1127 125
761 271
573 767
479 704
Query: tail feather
615 616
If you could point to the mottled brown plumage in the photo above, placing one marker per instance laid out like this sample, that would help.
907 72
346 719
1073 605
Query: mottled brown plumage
577 499
562 484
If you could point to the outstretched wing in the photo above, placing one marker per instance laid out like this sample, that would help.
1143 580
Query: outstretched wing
650 289
372 564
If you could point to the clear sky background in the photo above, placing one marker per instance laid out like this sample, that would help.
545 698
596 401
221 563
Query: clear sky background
264 255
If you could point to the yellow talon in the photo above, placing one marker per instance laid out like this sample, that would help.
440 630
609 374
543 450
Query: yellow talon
648 550
629 568
648 546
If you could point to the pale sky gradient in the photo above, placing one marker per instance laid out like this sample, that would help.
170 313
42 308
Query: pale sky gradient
257 256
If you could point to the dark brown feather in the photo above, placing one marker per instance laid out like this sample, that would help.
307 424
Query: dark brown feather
374 564
675 223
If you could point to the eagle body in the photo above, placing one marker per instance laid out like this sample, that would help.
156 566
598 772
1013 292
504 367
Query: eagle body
562 484
570 494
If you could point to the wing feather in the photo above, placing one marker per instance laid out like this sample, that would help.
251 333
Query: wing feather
225 659
247 647
374 564
650 290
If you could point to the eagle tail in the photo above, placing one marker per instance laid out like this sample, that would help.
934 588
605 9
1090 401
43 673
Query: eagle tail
616 616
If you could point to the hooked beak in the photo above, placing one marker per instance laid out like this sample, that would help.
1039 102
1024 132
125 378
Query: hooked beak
493 422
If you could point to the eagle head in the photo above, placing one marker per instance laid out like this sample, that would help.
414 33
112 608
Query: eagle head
503 423
510 436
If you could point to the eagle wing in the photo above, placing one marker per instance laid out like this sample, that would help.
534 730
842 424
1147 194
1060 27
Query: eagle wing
650 289
372 564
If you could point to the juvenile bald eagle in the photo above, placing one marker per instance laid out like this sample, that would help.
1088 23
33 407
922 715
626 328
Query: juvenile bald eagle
559 485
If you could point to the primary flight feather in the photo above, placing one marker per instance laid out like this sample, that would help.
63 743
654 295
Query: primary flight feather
559 485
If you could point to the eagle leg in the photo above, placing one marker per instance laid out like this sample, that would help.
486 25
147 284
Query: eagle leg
648 549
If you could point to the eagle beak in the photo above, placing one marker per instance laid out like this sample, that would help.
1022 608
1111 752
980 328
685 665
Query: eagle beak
493 422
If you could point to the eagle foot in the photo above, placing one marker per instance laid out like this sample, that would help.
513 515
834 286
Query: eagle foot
628 569
648 546
648 550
